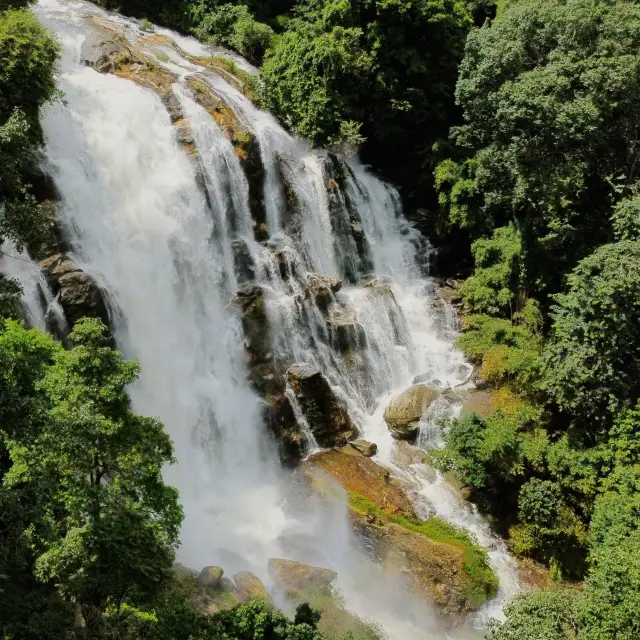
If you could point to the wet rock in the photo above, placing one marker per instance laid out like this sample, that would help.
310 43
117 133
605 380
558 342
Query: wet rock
327 416
297 579
243 263
287 261
403 413
428 379
361 477
250 587
172 105
323 289
477 402
78 293
380 287
450 291
365 447
345 332
534 576
209 600
431 570
280 417
383 295
250 302
210 577
261 232
184 135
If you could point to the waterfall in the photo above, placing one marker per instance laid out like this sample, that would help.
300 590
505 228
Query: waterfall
40 307
170 235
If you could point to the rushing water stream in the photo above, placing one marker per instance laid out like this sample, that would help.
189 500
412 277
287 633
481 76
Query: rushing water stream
137 220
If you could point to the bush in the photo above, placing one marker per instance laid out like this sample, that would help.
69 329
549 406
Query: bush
233 26
539 503
507 352
626 219
493 288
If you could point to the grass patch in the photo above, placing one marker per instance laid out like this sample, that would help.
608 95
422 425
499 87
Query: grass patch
484 583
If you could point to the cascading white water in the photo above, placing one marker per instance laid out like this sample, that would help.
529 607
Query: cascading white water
138 221
40 308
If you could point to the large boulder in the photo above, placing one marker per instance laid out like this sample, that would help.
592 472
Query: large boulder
297 579
363 479
78 293
431 570
250 587
403 413
210 577
326 415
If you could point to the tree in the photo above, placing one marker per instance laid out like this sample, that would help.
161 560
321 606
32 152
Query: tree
549 93
305 76
539 502
591 362
233 26
626 219
540 615
107 525
28 53
494 286
378 70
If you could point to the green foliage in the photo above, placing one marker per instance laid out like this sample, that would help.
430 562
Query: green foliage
549 92
591 360
28 53
305 75
383 69
82 472
233 26
10 292
27 56
626 219
174 619
507 351
539 502
504 445
493 287
542 615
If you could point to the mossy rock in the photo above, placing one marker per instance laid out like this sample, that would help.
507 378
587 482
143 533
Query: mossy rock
438 561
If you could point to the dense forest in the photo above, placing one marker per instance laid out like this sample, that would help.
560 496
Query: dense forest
513 133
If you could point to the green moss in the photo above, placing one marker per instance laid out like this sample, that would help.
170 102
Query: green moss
484 583
249 83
